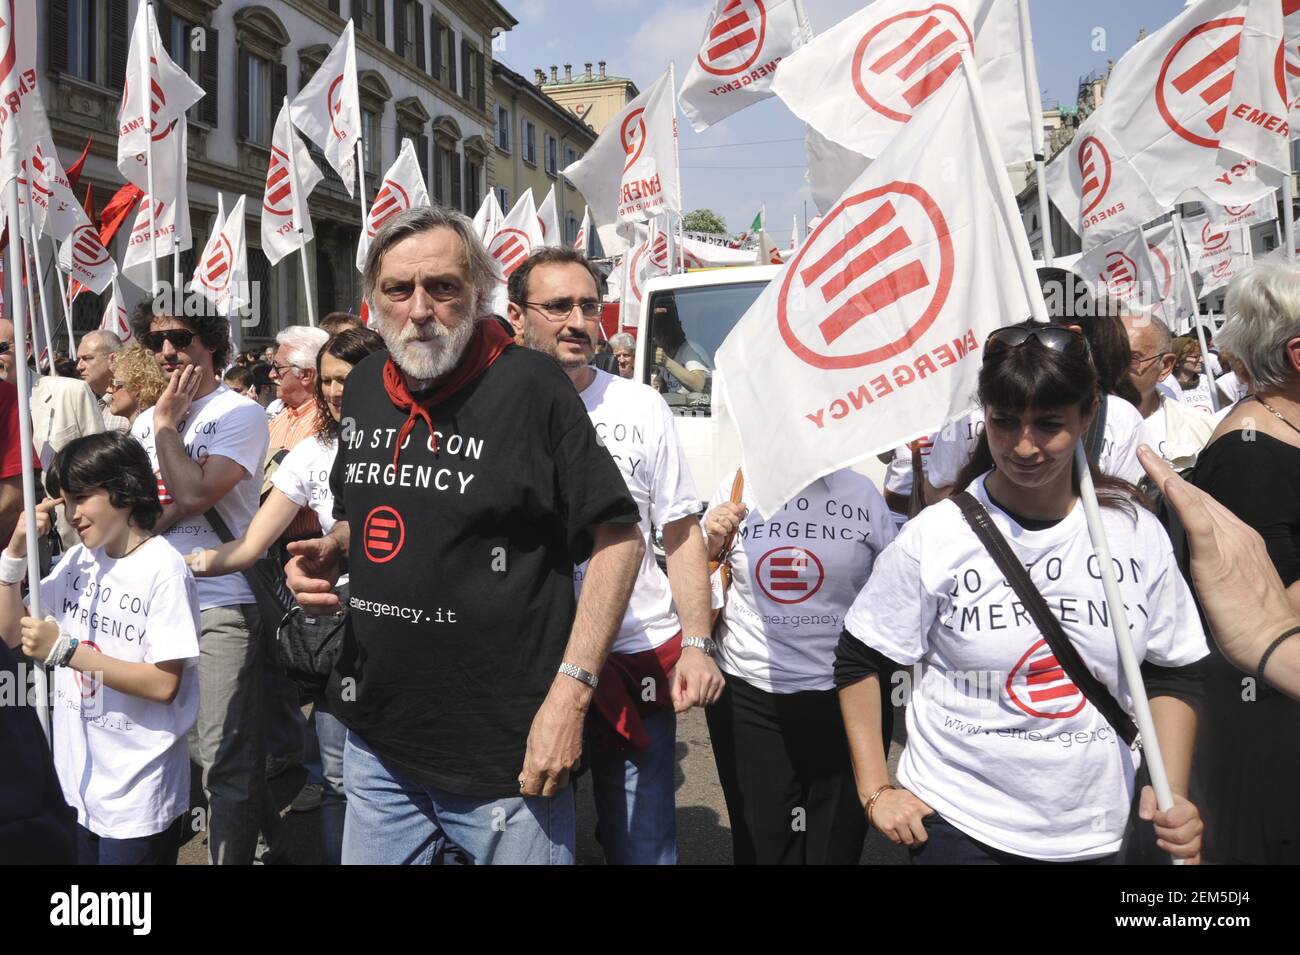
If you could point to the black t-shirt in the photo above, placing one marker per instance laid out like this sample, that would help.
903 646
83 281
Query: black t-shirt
461 565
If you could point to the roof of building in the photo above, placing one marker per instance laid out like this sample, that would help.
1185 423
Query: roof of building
501 71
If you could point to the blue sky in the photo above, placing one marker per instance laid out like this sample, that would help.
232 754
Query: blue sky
639 38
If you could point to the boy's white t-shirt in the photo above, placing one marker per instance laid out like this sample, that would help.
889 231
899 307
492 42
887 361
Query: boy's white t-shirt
122 761
999 741
228 424
794 575
634 424
955 444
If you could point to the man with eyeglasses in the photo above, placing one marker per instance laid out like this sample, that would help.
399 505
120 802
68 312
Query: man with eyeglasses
661 663
207 445
95 356
1175 430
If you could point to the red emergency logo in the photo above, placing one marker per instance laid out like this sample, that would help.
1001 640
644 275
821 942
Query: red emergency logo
157 102
790 575
1166 274
1222 268
1094 172
336 107
87 251
87 683
510 247
1119 274
1038 685
1236 210
886 249
1196 76
279 189
912 59
734 38
383 534
8 43
390 200
215 274
632 134
1212 240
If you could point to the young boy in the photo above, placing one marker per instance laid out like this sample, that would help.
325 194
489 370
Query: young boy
121 633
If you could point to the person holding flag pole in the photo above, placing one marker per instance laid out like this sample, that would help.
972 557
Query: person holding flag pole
1191 295
296 200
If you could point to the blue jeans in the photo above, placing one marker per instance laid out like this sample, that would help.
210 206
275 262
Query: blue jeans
635 795
159 849
393 821
948 845
333 803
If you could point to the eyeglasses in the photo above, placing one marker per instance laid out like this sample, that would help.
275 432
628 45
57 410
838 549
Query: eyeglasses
4 347
1052 337
1138 363
179 337
278 371
559 309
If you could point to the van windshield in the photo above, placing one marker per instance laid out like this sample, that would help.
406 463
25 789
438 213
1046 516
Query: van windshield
687 327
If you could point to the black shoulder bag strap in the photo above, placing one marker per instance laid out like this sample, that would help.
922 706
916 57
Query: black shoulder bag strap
1066 655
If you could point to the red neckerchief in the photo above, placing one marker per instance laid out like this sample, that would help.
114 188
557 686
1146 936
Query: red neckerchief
485 346
618 698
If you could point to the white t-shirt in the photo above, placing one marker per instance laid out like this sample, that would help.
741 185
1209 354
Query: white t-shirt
794 575
304 478
898 474
691 357
1233 387
634 424
955 444
999 741
228 424
122 761
1195 397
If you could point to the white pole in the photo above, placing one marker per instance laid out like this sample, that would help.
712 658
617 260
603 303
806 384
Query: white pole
1288 215
39 283
677 156
1191 292
361 183
25 441
296 201
63 300
1119 626
153 206
1036 130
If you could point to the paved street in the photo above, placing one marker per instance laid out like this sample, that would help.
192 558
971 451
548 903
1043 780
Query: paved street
703 830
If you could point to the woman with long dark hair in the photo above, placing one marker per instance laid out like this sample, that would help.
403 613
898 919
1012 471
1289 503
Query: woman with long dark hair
302 480
1007 760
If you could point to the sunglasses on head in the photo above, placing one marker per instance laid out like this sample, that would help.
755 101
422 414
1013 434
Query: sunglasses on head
1052 337
179 337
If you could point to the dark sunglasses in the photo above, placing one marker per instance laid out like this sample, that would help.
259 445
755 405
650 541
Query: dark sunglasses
179 337
1053 337
4 347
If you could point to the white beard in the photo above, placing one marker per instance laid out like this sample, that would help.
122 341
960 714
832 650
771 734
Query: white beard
426 352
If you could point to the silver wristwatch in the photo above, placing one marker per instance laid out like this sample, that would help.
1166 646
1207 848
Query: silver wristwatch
578 673
700 643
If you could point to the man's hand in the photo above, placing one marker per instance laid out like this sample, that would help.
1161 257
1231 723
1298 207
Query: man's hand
1178 829
44 517
696 680
174 403
312 573
1235 579
661 357
555 738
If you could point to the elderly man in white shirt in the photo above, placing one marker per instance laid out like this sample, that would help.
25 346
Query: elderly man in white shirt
1174 429
95 362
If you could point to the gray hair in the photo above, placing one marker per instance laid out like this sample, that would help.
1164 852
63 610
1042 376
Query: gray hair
483 273
303 343
106 341
622 340
1164 336
1263 309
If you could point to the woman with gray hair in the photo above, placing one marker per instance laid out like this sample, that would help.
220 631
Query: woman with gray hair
623 345
1248 754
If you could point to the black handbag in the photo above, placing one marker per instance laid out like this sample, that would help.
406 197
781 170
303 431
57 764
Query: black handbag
265 578
1138 846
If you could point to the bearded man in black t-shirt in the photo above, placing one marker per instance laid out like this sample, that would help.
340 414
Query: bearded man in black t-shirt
475 482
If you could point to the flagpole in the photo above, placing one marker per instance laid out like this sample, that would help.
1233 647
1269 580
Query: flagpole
361 183
63 300
296 201
25 446
148 149
45 309
1036 129
677 163
1196 313
1288 215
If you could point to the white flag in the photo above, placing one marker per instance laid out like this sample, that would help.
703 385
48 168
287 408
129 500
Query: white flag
768 253
1224 261
155 95
167 217
862 80
630 172
403 188
1254 124
1203 237
17 86
548 220
116 319
289 156
743 43
328 109
55 210
1176 303
86 260
517 237
488 218
832 168
582 241
871 334
221 275
1250 213
1122 269
707 255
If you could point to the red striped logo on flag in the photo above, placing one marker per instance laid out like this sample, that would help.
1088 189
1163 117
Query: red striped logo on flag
632 134
510 247
390 200
216 271
1166 275
909 59
87 251
1119 274
734 39
1094 171
278 199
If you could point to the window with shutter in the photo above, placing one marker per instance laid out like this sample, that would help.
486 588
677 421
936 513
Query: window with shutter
242 71
417 18
466 70
456 199
436 42
481 89
59 40
399 28
334 6
379 21
279 90
119 25
210 78
451 58
439 174
503 128
422 151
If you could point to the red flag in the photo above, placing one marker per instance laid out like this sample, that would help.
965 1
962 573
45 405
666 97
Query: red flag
73 172
116 211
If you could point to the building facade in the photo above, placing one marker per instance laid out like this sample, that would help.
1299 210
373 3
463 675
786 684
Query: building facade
423 70
534 139
595 98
